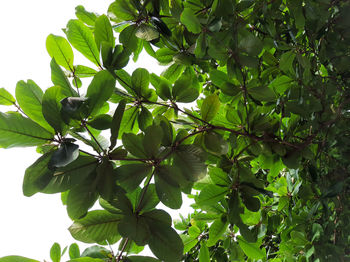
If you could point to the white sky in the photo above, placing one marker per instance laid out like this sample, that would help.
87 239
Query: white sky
29 226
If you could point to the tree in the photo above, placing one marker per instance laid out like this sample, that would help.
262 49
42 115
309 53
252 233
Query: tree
250 119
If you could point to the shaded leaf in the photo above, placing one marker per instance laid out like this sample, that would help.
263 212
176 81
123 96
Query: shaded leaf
19 131
96 227
65 154
131 176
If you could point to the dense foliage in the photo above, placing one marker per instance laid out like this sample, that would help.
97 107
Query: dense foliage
250 119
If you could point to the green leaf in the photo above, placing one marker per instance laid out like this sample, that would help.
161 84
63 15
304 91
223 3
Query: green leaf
81 37
281 84
134 145
85 16
55 252
96 252
64 155
262 93
165 55
183 91
204 255
286 62
252 250
6 99
140 81
216 230
96 227
80 199
218 176
189 19
211 194
201 46
165 243
190 160
51 108
129 121
131 176
146 32
122 10
116 122
37 176
29 97
84 71
150 199
145 118
101 122
152 140
59 49
173 72
17 259
210 107
168 190
251 44
106 179
58 78
74 251
99 91
103 31
135 228
19 131
128 38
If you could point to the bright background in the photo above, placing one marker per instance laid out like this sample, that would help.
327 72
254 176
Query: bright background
29 226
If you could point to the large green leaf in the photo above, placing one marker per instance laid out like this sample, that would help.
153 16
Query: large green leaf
122 10
51 108
16 259
164 242
96 227
81 37
103 31
130 176
55 252
116 122
37 176
85 16
204 255
216 230
133 144
190 161
67 177
29 97
80 199
189 19
60 79
140 81
19 131
74 251
168 190
86 259
106 179
6 99
252 250
152 140
135 228
99 91
210 107
59 49
128 38
211 194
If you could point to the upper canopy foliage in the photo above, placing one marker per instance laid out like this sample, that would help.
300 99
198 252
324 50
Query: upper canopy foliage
262 149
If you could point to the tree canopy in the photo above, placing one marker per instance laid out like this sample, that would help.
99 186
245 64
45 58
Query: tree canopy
250 119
